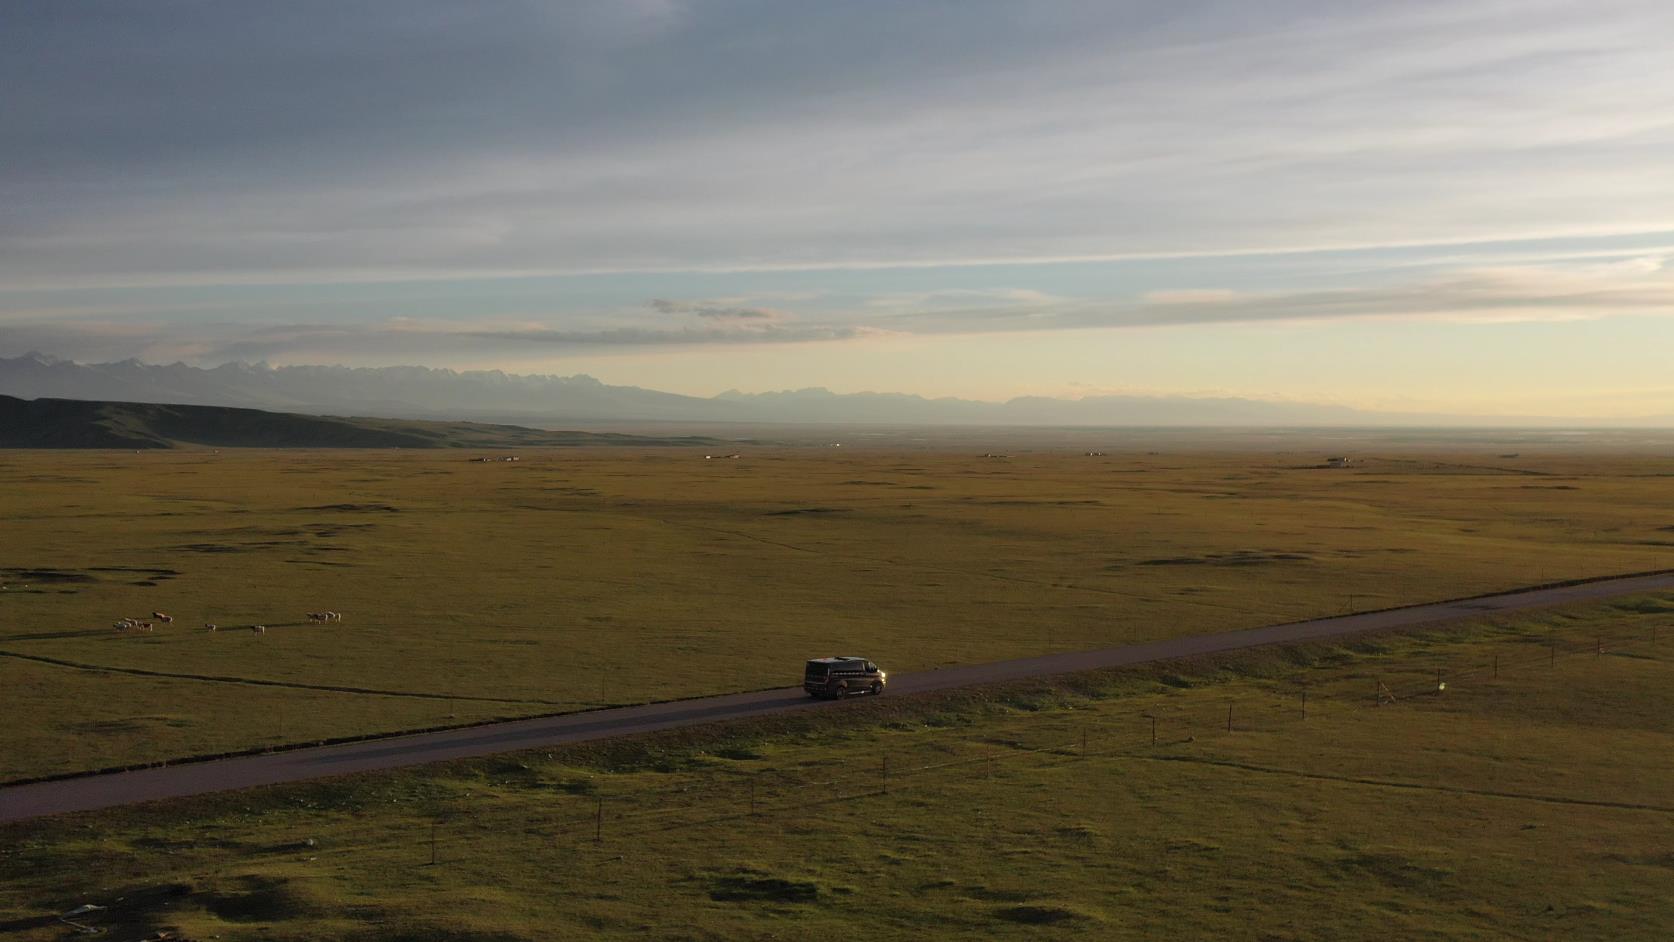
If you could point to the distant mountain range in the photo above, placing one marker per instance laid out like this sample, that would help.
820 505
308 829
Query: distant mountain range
80 423
491 395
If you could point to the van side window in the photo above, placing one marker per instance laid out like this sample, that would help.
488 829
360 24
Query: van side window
871 668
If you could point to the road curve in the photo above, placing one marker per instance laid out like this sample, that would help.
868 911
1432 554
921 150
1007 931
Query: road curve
23 802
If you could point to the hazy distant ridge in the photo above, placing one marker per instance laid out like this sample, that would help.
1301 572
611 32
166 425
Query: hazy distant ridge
423 392
409 391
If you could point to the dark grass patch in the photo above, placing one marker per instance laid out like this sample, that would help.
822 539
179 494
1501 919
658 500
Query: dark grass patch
237 547
50 575
1036 914
800 511
421 931
261 899
996 895
747 885
1665 861
1646 606
327 530
356 508
1033 503
1237 558
130 912
1391 869
1085 833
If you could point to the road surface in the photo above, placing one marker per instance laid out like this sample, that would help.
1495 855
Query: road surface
22 802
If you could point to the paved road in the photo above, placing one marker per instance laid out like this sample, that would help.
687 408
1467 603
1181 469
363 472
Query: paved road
22 802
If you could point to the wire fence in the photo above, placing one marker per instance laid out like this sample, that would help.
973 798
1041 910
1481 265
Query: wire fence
575 815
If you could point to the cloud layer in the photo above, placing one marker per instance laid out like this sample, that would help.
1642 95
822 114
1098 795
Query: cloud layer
320 141
1639 286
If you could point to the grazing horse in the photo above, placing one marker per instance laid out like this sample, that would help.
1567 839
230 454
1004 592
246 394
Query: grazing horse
165 619
259 629
210 626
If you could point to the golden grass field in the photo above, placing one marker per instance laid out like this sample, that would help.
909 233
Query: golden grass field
573 578
1529 801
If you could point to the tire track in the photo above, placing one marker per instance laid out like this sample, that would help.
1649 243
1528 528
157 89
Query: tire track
1405 786
257 682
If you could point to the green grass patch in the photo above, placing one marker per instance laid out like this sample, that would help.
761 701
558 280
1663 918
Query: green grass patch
574 579
1527 804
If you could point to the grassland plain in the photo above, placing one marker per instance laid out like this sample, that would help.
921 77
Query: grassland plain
1530 800
571 579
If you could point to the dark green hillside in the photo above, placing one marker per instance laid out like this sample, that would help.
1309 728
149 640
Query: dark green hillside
74 423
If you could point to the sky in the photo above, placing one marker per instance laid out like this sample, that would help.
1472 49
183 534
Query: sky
1462 206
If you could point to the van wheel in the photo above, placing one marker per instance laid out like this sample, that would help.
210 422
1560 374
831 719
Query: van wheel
877 688
841 690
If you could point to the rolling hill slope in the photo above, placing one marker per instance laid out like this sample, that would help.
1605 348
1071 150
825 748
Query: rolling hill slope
74 423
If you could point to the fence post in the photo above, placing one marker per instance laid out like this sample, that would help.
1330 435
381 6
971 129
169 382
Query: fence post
1229 717
988 755
432 843
752 795
1083 742
1496 667
598 822
1304 702
886 775
1598 647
